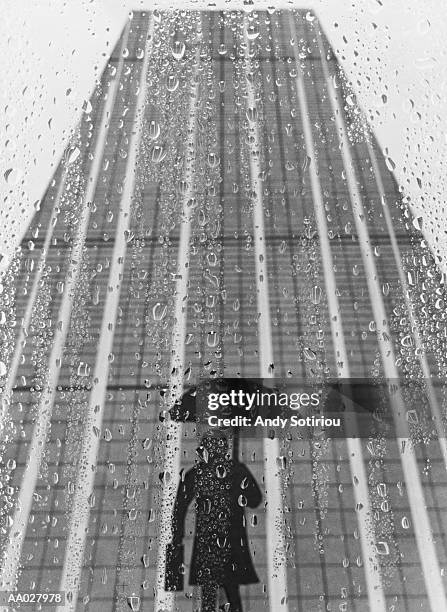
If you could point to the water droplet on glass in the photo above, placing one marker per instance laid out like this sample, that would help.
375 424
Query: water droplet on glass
309 354
405 522
159 311
417 223
213 160
12 176
252 31
212 339
158 153
242 501
172 82
221 471
252 114
316 295
178 49
134 603
154 130
382 548
73 155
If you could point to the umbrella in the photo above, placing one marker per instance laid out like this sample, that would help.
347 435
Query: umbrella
192 406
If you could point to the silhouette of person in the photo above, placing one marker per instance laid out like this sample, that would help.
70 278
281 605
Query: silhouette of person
222 487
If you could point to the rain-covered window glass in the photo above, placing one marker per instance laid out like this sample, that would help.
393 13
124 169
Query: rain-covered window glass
223 329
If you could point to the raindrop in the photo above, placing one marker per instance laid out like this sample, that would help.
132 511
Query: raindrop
158 153
83 369
252 114
212 339
382 548
242 501
212 259
154 130
281 462
316 295
87 107
183 186
417 223
165 477
213 160
12 176
309 354
134 603
159 311
73 155
172 82
221 471
381 489
178 49
390 164
252 31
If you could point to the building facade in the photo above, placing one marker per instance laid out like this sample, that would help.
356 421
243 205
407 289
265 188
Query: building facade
223 210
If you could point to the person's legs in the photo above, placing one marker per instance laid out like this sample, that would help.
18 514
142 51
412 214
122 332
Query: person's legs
233 596
209 595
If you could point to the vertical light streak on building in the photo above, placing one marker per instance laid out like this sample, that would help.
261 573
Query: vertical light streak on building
275 537
376 597
165 600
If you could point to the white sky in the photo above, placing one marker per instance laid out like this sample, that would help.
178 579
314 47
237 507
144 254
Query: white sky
395 48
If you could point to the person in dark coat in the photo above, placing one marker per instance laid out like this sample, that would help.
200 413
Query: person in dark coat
222 488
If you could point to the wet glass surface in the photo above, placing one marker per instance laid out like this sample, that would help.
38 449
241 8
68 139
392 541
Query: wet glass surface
223 210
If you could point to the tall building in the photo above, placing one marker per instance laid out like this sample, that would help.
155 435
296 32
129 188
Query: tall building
223 210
